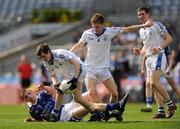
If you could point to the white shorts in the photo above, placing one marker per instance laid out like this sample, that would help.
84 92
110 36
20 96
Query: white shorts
67 110
98 73
156 62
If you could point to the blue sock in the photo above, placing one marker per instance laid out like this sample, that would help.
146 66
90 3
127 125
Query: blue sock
112 106
149 102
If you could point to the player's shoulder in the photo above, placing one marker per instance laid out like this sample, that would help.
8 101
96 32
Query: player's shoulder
158 24
111 28
58 52
88 31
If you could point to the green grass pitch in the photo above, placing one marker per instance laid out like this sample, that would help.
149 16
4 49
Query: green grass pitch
12 117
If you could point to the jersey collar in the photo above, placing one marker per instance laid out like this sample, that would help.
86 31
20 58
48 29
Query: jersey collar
99 34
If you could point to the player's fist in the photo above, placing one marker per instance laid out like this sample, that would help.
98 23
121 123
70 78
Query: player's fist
41 87
155 50
136 51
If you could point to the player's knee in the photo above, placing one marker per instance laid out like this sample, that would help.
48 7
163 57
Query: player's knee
77 99
92 93
148 85
153 84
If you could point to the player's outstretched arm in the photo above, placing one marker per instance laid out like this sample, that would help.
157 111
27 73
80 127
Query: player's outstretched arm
133 28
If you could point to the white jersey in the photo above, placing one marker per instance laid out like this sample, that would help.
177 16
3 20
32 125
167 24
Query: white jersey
99 46
152 36
61 63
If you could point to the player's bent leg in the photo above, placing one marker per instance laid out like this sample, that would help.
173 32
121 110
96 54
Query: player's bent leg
155 81
91 88
79 99
106 115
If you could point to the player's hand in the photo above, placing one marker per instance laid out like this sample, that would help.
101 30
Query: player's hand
142 70
148 23
136 51
30 119
41 87
73 82
168 71
155 50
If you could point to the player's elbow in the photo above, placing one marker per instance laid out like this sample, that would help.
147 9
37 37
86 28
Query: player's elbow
169 38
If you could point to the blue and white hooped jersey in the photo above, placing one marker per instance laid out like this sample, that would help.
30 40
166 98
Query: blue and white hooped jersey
44 104
152 36
61 63
99 46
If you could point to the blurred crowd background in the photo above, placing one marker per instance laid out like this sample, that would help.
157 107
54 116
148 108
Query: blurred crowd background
60 23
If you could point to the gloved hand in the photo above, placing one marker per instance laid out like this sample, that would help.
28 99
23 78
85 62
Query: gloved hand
73 82
56 86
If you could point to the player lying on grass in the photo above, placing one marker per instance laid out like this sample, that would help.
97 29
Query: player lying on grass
42 104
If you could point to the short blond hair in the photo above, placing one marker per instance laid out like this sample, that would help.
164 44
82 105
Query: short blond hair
97 18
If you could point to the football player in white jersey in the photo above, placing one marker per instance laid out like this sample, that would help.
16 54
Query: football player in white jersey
155 39
98 40
169 77
69 66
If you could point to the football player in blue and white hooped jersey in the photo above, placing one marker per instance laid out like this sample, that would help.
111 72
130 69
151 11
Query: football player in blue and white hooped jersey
68 65
98 40
155 39
41 105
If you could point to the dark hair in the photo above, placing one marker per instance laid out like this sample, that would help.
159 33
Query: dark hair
145 8
43 47
98 18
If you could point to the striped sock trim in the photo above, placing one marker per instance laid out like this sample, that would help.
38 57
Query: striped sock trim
169 103
161 110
